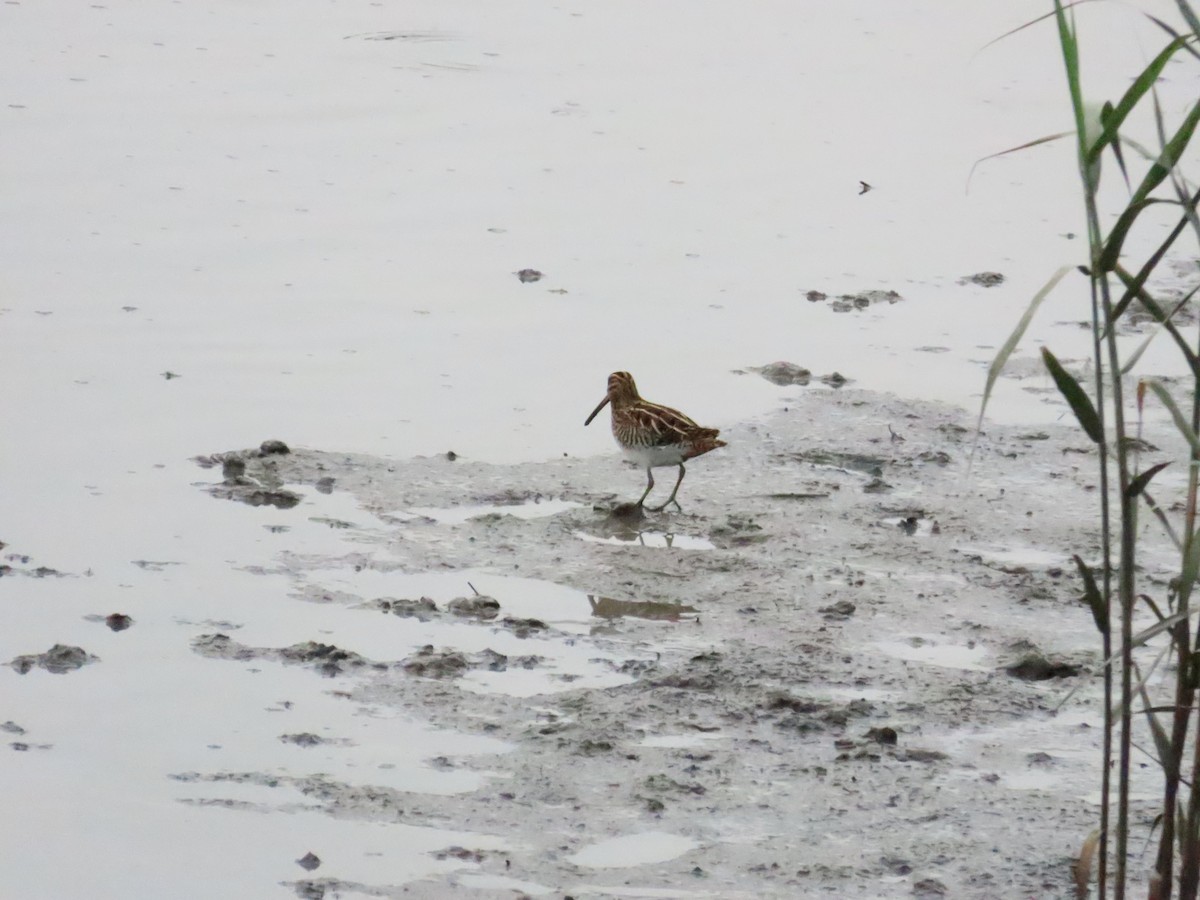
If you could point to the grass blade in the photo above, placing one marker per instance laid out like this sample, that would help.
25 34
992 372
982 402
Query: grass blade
1181 424
1143 478
1153 178
1161 742
1006 350
1076 397
1136 91
1091 595
1042 140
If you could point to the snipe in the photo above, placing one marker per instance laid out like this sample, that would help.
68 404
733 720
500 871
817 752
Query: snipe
652 435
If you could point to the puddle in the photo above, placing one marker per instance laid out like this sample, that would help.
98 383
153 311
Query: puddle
927 650
457 515
661 539
1015 556
634 850
567 658
610 608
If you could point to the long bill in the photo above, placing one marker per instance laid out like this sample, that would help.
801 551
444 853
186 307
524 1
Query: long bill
596 411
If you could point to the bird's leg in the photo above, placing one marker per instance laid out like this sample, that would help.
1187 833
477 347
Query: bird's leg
671 499
649 487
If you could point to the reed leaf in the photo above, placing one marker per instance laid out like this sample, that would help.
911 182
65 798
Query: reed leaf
1141 85
1162 743
1091 595
1138 484
1076 397
1132 359
1170 155
1007 348
1069 43
1181 424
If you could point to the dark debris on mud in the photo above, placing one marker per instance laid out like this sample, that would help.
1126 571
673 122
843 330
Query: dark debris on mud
59 660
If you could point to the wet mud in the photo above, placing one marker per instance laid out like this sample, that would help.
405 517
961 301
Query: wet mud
803 684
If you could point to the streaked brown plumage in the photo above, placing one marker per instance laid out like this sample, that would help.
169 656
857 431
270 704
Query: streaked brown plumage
652 435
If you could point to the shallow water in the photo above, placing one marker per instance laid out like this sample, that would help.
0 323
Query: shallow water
233 222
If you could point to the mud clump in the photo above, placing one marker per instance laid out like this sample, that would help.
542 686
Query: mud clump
253 495
462 853
480 607
422 609
1033 666
303 739
784 373
325 658
863 300
429 663
523 628
328 659
838 612
737 531
984 279
58 660
884 735
221 646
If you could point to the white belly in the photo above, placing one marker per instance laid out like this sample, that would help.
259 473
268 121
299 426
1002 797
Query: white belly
653 457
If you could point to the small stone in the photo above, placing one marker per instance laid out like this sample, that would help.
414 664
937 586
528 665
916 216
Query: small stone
876 486
929 889
269 448
309 861
529 275
843 609
303 739
118 621
1033 666
884 735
